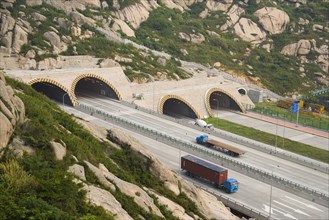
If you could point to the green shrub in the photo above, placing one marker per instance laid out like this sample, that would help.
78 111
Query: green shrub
15 178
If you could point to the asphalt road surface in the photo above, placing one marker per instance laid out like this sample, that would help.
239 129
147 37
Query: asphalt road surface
253 193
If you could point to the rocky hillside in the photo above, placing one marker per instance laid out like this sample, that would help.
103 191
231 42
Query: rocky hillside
12 112
53 166
282 44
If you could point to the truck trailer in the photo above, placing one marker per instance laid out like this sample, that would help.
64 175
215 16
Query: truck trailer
196 167
219 146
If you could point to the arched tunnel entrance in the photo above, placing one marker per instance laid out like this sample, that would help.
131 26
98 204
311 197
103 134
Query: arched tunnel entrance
53 92
90 85
219 100
178 109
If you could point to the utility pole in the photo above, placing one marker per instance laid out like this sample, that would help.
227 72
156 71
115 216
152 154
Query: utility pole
217 111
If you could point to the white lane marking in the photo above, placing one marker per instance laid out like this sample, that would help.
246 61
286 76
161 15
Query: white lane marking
305 204
295 210
267 209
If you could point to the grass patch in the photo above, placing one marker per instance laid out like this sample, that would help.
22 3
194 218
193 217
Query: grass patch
266 138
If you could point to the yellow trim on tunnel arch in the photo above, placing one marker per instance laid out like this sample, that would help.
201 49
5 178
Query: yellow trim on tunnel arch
53 82
212 90
166 97
91 75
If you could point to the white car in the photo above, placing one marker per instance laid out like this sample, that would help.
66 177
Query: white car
204 124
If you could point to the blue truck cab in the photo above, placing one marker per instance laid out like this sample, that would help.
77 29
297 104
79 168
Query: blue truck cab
231 185
201 139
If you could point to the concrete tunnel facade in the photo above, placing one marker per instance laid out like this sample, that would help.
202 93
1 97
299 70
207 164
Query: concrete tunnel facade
194 97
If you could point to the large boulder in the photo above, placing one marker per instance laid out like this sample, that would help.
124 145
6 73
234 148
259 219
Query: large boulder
78 171
234 15
79 19
74 5
49 63
272 19
219 5
170 4
7 24
197 38
12 111
176 210
20 38
179 4
302 47
59 150
137 13
138 194
96 4
122 26
38 17
105 199
32 3
53 38
26 63
7 3
248 31
6 129
7 40
19 148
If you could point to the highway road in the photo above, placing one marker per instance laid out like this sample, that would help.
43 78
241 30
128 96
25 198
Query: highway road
297 173
252 192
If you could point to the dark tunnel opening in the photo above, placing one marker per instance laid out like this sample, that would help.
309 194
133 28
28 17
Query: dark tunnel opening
91 85
53 92
178 109
219 100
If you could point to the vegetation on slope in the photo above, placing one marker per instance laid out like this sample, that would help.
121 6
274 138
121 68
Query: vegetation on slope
141 63
39 187
161 32
276 71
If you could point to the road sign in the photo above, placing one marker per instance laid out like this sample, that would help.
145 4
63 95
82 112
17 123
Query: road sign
294 107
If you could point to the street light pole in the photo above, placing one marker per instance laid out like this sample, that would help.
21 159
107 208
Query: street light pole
276 135
297 115
63 99
270 212
217 111
152 78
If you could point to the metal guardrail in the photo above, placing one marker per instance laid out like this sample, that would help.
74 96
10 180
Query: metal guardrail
321 123
215 157
307 162
239 206
277 152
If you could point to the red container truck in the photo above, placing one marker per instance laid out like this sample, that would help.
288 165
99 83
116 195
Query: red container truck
196 167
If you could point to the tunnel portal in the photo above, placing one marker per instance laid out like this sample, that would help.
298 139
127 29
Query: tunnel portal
178 109
53 92
219 100
90 85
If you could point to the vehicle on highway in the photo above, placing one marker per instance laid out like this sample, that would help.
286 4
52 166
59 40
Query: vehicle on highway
196 167
204 124
219 146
